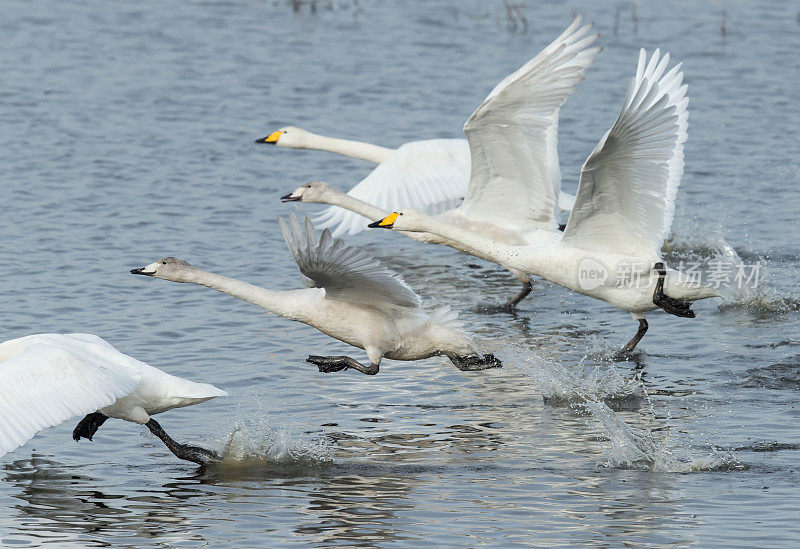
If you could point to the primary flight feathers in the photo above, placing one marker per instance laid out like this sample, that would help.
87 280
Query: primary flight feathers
626 194
345 272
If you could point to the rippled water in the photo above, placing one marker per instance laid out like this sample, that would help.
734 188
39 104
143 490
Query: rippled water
127 134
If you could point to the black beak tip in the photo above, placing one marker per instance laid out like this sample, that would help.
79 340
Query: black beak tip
289 198
377 225
263 140
140 271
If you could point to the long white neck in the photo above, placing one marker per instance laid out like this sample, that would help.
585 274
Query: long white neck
374 213
282 303
346 147
507 255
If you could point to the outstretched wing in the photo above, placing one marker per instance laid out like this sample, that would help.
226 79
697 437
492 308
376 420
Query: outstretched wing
429 176
513 136
345 272
626 194
46 379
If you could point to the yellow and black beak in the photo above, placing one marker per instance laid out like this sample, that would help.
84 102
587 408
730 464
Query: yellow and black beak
385 223
271 139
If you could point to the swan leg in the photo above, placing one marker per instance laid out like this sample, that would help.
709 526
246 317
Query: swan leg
526 289
473 363
631 345
194 454
677 307
88 426
328 364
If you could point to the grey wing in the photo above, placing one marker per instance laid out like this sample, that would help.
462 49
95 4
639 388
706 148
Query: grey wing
345 272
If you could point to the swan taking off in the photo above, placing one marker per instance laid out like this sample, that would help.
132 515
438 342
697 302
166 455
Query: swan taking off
515 181
48 378
351 297
611 247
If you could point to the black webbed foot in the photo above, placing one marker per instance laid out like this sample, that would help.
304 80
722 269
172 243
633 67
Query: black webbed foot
677 307
328 364
474 363
88 426
195 454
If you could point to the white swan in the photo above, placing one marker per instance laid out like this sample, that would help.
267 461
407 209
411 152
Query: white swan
350 297
48 378
515 177
611 247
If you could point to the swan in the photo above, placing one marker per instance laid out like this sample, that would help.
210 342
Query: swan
49 378
349 296
611 246
515 178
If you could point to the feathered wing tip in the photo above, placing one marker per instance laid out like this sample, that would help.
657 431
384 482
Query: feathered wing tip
569 50
627 189
664 94
345 272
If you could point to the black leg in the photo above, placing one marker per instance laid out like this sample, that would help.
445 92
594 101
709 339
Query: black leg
526 289
473 363
677 307
88 426
183 451
631 345
328 364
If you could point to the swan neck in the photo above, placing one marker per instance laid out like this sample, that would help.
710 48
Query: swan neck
346 147
344 200
276 302
486 248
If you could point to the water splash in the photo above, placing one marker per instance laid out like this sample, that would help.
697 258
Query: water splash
696 244
561 386
761 301
594 391
279 447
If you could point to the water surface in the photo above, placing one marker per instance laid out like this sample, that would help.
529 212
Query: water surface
127 134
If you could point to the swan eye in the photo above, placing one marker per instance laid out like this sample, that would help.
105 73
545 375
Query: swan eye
163 262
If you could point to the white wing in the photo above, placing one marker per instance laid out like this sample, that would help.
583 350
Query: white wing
513 136
429 176
626 194
345 272
46 379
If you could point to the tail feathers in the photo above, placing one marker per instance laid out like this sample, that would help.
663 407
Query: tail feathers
203 391
446 317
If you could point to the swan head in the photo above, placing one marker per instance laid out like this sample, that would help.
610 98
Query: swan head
313 191
169 268
402 220
288 136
